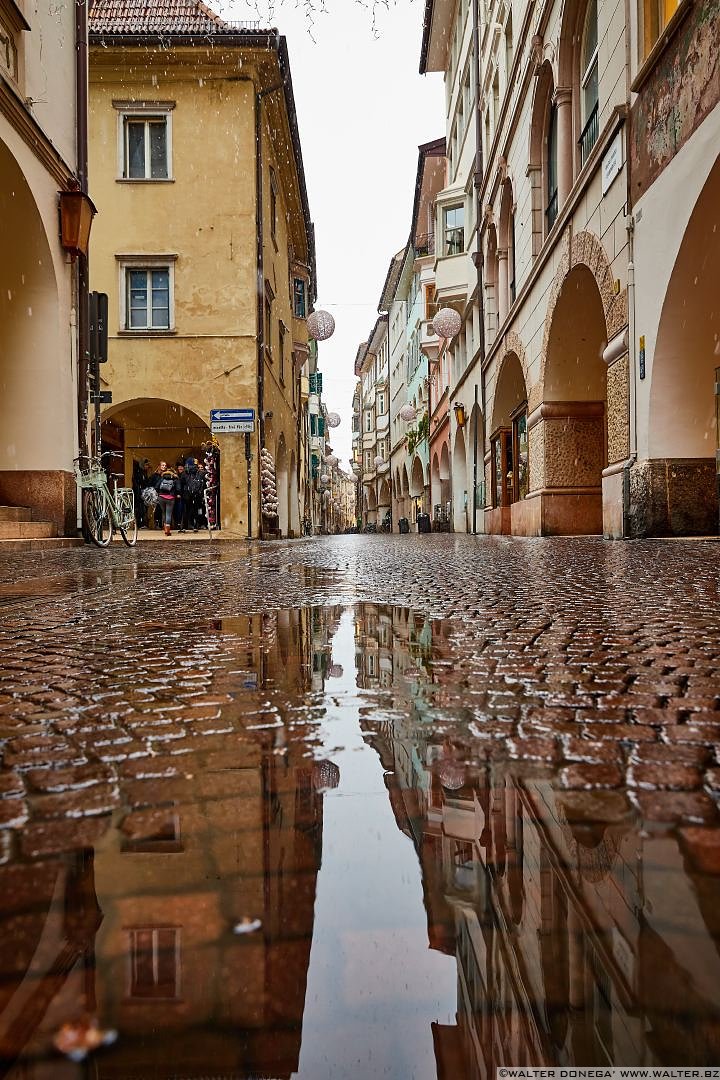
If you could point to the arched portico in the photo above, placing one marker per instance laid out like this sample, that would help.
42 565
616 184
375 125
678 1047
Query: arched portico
675 493
570 424
507 473
37 393
282 481
459 484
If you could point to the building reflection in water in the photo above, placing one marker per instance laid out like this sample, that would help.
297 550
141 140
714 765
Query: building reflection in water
145 928
582 934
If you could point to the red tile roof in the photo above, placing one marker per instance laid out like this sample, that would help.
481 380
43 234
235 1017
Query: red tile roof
167 17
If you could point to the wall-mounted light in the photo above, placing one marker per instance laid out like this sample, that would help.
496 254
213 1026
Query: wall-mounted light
460 414
76 214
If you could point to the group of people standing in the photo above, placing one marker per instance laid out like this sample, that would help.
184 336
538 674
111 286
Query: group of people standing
170 496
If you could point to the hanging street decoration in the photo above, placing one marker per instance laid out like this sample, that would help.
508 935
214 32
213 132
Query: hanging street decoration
408 413
321 325
333 420
447 323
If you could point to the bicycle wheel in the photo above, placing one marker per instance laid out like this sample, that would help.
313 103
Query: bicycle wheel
97 516
129 530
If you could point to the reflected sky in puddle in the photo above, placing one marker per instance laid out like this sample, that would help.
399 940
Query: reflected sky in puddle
329 883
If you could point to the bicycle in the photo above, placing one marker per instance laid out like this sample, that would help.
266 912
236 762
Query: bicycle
103 510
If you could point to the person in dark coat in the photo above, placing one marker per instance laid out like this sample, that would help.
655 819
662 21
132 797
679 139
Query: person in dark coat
141 480
194 491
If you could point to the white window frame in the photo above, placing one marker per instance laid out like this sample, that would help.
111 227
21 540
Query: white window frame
144 110
145 262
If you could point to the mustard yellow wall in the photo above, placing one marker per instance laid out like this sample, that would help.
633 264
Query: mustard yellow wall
205 215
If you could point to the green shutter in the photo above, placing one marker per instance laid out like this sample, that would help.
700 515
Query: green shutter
321 426
318 378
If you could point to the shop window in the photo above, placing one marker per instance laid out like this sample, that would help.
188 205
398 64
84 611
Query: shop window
510 461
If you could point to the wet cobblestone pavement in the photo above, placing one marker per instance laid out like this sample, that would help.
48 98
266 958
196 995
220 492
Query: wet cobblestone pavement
359 807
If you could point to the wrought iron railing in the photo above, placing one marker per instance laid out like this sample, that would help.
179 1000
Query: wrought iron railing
589 135
425 244
551 211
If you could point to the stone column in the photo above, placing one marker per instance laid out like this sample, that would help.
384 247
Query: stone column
562 98
502 285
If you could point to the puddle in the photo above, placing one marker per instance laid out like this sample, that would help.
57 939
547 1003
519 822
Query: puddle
330 882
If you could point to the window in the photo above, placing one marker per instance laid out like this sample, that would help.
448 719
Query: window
146 146
282 353
299 303
454 230
273 205
154 963
589 82
551 210
381 404
656 14
368 420
267 324
147 298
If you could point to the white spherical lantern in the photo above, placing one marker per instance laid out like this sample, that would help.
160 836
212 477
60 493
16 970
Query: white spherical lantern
447 323
452 775
408 413
321 325
333 420
327 494
331 460
379 460
325 478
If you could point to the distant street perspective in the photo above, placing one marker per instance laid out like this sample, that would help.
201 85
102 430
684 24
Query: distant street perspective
360 540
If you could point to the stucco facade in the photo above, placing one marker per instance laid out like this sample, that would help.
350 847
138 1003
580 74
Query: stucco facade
237 270
38 280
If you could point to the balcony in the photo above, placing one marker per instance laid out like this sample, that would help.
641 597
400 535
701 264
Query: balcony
453 274
424 245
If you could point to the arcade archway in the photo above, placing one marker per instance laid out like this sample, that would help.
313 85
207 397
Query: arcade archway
675 492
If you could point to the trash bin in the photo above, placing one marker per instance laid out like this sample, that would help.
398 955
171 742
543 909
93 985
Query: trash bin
404 525
423 523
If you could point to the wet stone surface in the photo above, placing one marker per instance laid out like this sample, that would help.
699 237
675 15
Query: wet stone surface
359 806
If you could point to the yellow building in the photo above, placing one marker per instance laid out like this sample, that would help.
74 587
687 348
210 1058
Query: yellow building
203 244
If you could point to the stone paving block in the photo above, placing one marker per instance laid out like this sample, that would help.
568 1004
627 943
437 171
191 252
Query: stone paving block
101 798
43 838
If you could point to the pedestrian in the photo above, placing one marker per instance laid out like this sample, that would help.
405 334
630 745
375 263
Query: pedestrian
179 511
194 491
168 488
140 481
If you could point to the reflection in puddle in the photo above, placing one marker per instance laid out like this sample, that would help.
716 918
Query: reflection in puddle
311 876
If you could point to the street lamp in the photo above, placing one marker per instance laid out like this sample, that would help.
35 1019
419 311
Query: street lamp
76 214
460 414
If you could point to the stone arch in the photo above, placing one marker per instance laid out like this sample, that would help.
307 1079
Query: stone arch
294 499
417 478
35 371
681 418
282 480
459 483
384 495
585 250
445 462
435 476
510 390
405 480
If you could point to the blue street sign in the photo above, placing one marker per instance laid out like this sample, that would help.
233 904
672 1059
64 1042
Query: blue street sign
232 421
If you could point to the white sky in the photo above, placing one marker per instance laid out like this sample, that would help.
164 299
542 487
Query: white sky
363 109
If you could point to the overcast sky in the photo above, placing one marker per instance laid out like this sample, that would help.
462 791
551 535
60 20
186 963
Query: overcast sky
363 109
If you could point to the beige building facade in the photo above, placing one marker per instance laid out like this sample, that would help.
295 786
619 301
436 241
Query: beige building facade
205 248
590 120
39 157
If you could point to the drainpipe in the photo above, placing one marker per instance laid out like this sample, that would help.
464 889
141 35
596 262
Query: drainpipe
478 257
83 268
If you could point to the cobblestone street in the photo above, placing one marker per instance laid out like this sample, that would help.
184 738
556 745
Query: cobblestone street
479 776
